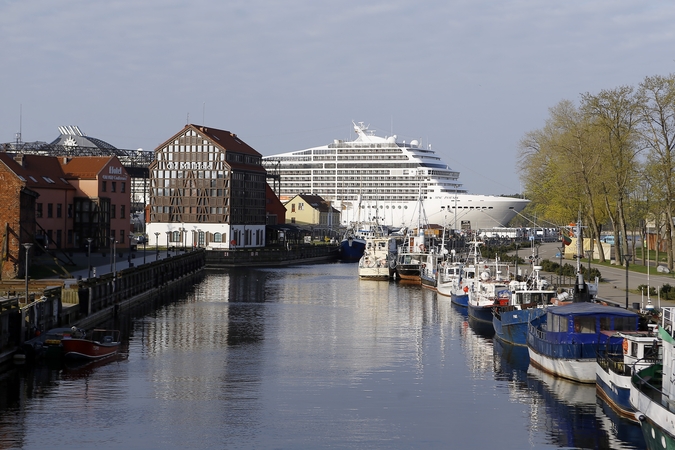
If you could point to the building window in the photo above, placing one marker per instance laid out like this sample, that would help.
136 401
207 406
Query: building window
70 210
38 211
123 188
113 208
121 236
113 186
217 237
293 207
59 209
301 206
59 237
50 210
104 186
122 211
69 236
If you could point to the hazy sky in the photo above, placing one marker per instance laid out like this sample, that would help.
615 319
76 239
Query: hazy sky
469 77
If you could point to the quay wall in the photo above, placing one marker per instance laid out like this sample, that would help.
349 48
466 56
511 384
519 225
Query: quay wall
270 256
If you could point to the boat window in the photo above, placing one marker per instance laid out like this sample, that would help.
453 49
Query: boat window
584 324
558 323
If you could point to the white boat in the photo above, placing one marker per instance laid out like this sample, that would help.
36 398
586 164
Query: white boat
488 290
652 392
378 177
379 258
613 370
449 273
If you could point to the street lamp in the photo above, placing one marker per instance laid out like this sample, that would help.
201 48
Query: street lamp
131 236
168 233
562 252
112 253
627 259
114 256
89 257
156 245
145 241
589 253
27 245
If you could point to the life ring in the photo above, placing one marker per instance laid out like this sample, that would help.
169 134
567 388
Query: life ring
625 346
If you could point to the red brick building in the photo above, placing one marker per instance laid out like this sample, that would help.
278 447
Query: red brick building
57 203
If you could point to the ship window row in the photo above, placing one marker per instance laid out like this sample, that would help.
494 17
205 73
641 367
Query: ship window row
361 145
367 151
176 174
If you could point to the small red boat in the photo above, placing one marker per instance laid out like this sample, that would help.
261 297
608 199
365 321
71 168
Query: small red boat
99 344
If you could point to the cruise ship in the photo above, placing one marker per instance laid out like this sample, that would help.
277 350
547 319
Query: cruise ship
374 178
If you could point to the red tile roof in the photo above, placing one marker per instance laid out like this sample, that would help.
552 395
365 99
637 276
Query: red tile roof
84 167
37 171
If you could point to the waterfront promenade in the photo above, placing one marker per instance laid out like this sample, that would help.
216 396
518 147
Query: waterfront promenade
613 287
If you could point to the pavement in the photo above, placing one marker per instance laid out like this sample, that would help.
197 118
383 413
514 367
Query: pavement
104 263
612 289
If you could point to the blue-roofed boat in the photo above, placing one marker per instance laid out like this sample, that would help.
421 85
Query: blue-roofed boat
567 340
652 391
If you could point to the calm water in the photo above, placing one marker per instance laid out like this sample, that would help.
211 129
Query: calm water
304 357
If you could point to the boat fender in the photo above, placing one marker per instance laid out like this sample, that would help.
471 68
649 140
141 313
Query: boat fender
466 289
625 347
640 417
423 248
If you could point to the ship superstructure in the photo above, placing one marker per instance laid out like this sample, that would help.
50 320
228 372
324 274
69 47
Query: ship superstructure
377 178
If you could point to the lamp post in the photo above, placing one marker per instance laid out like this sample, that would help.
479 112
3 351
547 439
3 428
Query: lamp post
168 233
156 245
27 245
562 252
145 241
89 257
112 253
114 256
626 258
589 253
131 236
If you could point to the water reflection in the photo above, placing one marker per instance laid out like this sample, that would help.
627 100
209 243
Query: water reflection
302 357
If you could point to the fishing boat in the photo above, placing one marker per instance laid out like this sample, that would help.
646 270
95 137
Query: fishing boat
352 246
99 344
614 369
379 258
389 168
567 339
652 392
449 273
459 290
526 303
430 268
488 291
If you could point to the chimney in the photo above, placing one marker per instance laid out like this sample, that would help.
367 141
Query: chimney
19 159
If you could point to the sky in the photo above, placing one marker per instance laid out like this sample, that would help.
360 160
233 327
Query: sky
468 77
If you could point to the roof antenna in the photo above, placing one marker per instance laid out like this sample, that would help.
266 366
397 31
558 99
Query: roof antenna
203 113
18 135
187 120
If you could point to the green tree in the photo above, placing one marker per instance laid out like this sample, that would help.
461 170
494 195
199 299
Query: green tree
658 135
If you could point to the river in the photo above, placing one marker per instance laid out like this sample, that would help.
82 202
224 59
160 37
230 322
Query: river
304 357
